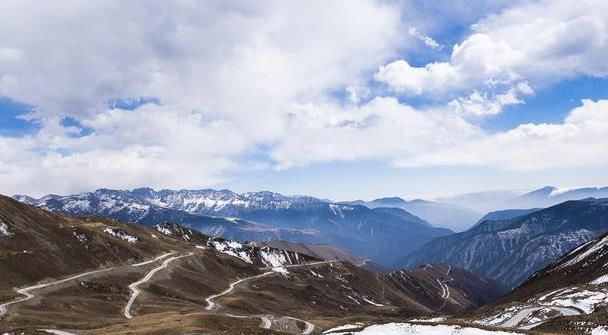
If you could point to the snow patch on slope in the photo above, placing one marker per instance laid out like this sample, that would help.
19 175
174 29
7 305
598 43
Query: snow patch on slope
600 280
593 250
356 325
498 318
372 302
564 301
602 330
275 259
164 230
4 229
121 234
431 320
232 248
80 237
414 329
586 301
174 230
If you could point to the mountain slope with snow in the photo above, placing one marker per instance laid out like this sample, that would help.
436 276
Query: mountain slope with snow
101 276
511 250
326 252
568 296
381 234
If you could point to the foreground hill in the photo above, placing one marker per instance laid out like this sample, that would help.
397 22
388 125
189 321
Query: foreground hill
98 276
383 235
509 251
570 296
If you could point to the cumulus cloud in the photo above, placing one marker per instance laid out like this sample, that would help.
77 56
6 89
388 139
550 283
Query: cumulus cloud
383 128
539 41
577 142
479 104
401 76
477 61
147 146
225 76
408 137
233 79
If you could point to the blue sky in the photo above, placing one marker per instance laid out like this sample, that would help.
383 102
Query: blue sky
10 122
342 100
551 104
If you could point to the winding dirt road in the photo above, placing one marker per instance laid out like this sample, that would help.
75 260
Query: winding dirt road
209 300
27 291
135 286
154 260
27 295
266 320
445 289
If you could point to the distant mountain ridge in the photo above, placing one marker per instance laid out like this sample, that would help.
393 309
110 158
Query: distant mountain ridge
382 234
451 216
511 250
551 195
505 214
540 198
127 207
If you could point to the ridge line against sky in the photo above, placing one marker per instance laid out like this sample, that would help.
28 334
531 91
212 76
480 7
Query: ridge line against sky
341 99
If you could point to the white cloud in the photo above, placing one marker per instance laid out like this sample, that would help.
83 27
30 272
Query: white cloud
427 40
226 76
401 76
386 130
380 129
241 78
577 142
539 42
477 61
358 93
482 104
148 146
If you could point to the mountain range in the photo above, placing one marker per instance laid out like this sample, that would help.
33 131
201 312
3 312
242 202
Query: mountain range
568 296
505 214
510 250
550 195
67 275
543 197
455 217
381 234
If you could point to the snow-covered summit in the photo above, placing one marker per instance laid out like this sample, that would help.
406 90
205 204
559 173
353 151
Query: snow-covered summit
102 202
138 202
219 202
